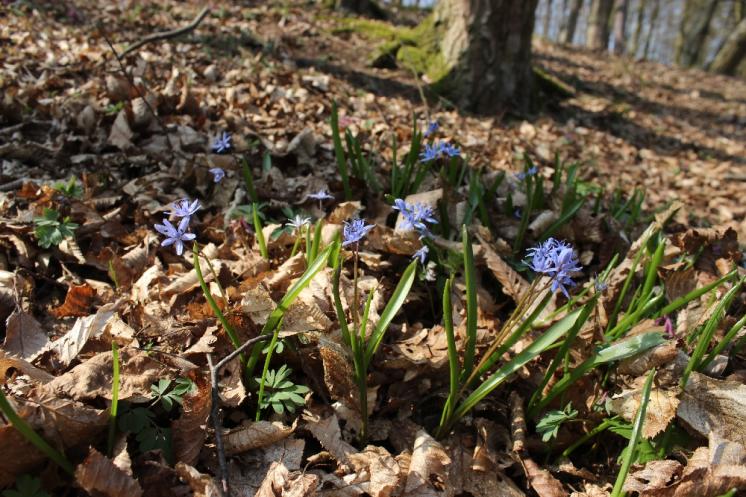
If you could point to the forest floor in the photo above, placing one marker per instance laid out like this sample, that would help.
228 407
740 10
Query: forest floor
655 147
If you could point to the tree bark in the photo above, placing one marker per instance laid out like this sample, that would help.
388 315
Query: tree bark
548 19
620 26
695 24
486 47
598 24
570 21
638 27
733 51
653 22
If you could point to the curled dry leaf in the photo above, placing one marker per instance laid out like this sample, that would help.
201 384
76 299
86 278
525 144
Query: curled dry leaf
380 468
654 476
714 408
201 485
258 434
338 373
92 379
280 482
428 470
24 367
344 211
289 270
98 475
652 358
514 285
24 337
327 432
121 134
77 303
188 433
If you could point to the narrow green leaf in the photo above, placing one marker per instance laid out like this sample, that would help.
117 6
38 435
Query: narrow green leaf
471 304
340 153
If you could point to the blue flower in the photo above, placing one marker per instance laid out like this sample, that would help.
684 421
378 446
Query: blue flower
175 236
222 143
217 174
556 259
320 195
354 231
421 254
183 208
439 150
414 216
298 222
431 128
531 172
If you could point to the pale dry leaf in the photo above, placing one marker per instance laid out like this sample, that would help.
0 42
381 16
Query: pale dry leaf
188 433
714 408
93 378
659 355
379 468
121 134
258 304
122 459
289 270
327 432
68 346
7 362
99 475
338 373
428 469
661 408
24 337
654 476
247 470
281 482
201 485
465 480
344 212
189 280
388 240
303 317
231 388
255 435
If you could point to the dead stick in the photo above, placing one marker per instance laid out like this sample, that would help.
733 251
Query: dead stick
214 409
165 35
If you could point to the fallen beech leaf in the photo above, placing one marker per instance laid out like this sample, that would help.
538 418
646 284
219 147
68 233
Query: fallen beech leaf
714 408
92 379
661 408
257 434
428 470
121 134
68 346
654 476
344 212
280 482
77 302
188 433
381 468
201 485
24 337
338 374
36 374
98 474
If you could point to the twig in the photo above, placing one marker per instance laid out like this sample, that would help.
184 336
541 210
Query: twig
165 35
140 94
6 187
214 409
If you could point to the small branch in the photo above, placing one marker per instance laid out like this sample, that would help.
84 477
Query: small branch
140 94
215 410
165 35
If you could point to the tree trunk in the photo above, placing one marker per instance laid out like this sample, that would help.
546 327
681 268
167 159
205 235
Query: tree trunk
486 48
548 19
732 52
638 26
653 21
598 24
620 26
570 21
695 24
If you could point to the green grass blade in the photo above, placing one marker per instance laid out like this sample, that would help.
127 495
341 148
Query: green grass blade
695 361
392 307
635 438
339 153
732 332
316 245
694 294
276 316
338 303
453 364
114 399
34 438
249 180
259 234
564 218
471 304
529 353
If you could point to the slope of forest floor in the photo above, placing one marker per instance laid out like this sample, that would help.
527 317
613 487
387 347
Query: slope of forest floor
136 135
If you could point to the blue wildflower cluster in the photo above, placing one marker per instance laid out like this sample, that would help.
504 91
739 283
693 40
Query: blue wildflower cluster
556 259
415 216
217 174
439 150
298 222
531 172
222 143
320 195
431 128
177 235
354 231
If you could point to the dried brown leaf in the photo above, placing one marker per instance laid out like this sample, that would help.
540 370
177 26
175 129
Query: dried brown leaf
257 434
327 432
428 470
201 485
513 283
714 408
68 346
661 409
24 337
77 303
188 433
98 474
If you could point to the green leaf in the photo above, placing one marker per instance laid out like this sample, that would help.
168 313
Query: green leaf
549 425
392 307
26 486
471 304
